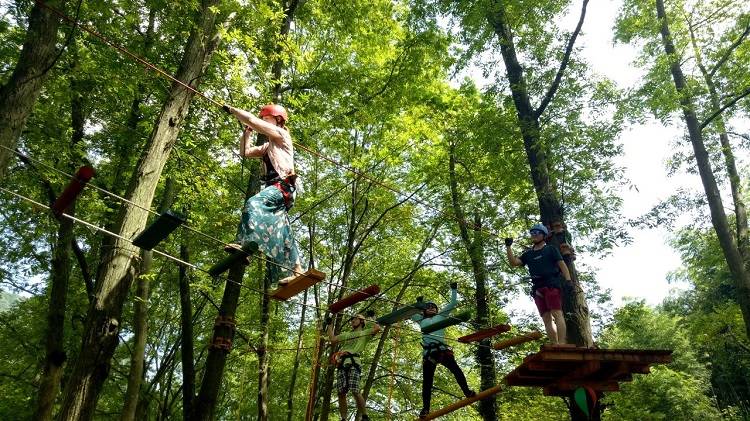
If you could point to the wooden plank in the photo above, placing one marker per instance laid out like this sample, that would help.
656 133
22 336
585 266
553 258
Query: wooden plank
484 333
522 339
298 284
354 298
462 403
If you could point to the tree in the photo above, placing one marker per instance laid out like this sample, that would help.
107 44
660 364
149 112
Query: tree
683 99
115 275
19 93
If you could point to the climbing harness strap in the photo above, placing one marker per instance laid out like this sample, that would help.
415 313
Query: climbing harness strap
287 187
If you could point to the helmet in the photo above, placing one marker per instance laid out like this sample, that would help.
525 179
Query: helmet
274 110
430 304
539 227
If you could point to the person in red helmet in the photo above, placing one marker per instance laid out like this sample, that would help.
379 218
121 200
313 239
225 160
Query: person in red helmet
265 221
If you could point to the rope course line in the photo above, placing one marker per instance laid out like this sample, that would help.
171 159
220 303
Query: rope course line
303 147
198 268
220 105
380 297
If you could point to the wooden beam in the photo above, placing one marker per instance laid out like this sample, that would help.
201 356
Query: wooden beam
460 404
518 340
354 298
484 333
298 284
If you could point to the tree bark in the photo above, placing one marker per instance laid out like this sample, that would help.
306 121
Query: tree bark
140 319
718 217
19 94
102 327
475 250
550 209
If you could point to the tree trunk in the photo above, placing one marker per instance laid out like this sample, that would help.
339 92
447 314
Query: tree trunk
186 323
718 217
575 307
205 403
295 368
54 339
475 250
20 92
263 357
735 182
55 358
140 319
100 336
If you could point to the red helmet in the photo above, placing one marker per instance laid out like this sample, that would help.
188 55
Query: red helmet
274 110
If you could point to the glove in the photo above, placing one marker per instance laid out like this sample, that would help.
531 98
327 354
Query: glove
508 242
454 285
226 109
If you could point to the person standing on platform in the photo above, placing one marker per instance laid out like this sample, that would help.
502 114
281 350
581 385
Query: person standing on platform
548 270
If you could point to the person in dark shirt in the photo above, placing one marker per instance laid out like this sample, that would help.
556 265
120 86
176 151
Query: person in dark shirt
547 270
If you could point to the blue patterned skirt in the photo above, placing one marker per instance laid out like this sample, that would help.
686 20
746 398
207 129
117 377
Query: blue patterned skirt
265 222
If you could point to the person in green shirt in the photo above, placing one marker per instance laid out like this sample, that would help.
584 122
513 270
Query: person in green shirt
435 351
348 367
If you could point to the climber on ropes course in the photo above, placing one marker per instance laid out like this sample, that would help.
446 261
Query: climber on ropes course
348 367
547 269
435 351
265 221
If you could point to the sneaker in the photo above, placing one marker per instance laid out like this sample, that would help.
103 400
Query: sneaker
423 413
365 417
470 393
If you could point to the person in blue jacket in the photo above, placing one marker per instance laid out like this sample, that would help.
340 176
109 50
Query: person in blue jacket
435 351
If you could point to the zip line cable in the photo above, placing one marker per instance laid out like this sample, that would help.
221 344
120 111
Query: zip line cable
220 105
216 103
196 267
380 297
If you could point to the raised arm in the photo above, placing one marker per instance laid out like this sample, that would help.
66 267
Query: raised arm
454 300
247 149
512 259
331 337
275 133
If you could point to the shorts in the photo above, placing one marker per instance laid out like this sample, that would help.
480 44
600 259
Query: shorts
548 299
347 379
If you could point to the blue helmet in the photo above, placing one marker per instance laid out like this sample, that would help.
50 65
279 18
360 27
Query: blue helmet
539 227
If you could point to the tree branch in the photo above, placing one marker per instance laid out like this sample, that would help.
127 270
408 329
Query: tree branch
563 64
729 104
729 51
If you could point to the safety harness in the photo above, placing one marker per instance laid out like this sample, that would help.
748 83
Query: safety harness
435 351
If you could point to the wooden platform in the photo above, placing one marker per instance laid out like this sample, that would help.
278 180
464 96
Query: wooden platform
561 369
298 284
